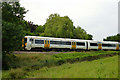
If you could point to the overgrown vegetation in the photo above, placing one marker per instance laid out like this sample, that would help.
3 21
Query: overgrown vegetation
32 62
62 27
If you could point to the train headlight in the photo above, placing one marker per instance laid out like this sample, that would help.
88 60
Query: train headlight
25 44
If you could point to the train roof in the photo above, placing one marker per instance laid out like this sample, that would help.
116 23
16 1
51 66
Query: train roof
56 38
53 38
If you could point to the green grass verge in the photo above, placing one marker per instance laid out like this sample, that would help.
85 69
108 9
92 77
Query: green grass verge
23 63
102 68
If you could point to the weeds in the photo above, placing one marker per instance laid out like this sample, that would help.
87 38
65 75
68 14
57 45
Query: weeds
17 73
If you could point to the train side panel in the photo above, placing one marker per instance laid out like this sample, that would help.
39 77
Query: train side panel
92 45
109 45
48 42
81 45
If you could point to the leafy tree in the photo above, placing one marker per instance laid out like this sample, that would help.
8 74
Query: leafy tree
12 12
80 33
12 30
11 36
32 26
113 38
57 26
89 37
39 30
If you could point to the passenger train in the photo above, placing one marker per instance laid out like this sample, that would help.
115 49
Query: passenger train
33 42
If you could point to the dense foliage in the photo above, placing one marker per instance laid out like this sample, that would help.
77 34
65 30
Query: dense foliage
57 26
12 35
12 27
113 38
12 30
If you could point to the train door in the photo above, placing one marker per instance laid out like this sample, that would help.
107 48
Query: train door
46 43
24 42
99 46
73 45
86 45
117 46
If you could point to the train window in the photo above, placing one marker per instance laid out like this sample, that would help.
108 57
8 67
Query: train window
65 43
113 45
109 45
45 41
54 42
93 44
39 41
81 43
48 41
60 42
73 43
68 43
105 45
57 42
31 40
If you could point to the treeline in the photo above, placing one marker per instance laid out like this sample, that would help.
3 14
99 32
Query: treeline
113 38
61 27
14 27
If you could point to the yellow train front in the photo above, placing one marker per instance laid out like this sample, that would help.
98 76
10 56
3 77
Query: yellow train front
33 42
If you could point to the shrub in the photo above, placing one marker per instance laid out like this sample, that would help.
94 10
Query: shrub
17 73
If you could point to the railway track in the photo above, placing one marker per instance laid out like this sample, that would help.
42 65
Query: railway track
38 52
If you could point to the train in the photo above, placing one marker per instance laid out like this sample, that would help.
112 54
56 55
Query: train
37 42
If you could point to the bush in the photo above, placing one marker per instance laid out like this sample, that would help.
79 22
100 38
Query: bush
17 73
9 61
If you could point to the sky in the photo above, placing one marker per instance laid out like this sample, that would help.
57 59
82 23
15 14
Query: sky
98 17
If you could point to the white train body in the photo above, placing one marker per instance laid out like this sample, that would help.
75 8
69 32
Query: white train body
30 42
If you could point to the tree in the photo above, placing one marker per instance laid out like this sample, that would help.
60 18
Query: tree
12 30
39 30
80 33
90 37
57 26
11 36
113 38
12 25
12 12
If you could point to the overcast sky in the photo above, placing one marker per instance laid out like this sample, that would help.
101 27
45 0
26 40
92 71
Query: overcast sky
98 17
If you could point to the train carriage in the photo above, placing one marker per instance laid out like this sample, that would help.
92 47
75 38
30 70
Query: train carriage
108 45
30 42
92 45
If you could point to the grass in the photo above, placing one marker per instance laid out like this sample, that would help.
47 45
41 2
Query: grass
102 68
25 63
